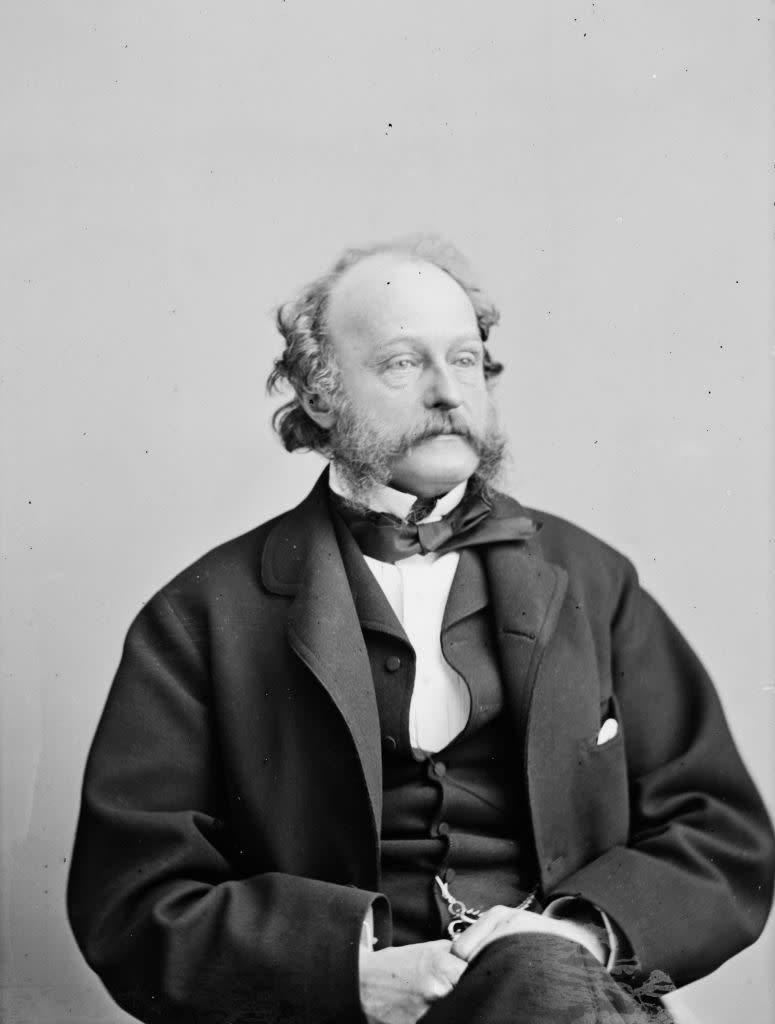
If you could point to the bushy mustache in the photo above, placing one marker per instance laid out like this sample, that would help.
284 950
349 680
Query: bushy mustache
435 425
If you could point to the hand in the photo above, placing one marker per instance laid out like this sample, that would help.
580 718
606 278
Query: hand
399 984
499 922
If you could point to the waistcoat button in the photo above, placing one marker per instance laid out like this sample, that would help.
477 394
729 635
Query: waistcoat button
443 829
393 663
389 744
440 768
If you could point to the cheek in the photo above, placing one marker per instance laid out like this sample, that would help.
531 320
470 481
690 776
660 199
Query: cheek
393 406
382 416
480 403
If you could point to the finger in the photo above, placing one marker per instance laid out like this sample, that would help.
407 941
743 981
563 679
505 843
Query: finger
435 945
518 922
502 930
432 982
467 945
500 922
452 967
445 973
434 988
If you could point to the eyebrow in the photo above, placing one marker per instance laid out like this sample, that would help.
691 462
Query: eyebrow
398 339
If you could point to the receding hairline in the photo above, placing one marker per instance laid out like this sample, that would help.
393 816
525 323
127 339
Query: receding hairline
395 258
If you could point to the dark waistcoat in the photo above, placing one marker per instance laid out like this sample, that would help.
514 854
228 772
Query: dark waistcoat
459 813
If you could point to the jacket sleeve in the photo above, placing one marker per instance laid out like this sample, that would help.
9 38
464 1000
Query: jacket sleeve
693 884
158 899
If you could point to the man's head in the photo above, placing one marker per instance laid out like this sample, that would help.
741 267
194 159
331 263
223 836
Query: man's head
387 359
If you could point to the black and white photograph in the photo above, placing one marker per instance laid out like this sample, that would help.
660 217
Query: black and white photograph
387 516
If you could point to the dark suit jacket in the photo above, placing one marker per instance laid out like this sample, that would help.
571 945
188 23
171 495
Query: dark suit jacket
228 845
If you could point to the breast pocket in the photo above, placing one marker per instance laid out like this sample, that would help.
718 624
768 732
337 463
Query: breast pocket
603 764
609 722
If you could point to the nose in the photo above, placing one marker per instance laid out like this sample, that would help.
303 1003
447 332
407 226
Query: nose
443 390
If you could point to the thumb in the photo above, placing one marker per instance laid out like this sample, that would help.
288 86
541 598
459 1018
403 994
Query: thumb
445 972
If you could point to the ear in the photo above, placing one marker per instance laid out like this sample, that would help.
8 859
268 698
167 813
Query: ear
318 409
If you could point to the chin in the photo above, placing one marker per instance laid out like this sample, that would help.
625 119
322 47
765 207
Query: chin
432 473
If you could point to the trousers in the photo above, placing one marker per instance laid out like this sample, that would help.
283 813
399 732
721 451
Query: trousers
544 979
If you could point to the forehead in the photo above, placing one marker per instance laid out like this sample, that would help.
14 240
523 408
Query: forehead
387 296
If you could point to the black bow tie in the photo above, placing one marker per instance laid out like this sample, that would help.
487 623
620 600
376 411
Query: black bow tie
389 539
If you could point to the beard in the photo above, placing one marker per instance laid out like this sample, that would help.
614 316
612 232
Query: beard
364 450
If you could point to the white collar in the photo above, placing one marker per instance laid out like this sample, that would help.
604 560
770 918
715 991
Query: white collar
398 503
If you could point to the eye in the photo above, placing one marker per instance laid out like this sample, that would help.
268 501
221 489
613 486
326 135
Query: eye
467 359
401 363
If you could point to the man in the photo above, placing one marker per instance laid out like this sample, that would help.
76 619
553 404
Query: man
409 748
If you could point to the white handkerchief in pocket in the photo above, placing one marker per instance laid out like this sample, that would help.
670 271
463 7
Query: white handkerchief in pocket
608 730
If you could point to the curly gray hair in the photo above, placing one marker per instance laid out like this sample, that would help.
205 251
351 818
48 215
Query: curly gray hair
307 363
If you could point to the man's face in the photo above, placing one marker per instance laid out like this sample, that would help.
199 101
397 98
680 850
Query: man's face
410 358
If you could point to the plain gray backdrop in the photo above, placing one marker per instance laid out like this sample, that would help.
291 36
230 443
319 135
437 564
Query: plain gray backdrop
171 171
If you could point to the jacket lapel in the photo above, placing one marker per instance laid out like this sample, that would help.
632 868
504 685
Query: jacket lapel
469 592
302 559
526 593
371 605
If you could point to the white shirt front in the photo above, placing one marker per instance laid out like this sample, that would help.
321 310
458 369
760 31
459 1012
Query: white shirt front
417 588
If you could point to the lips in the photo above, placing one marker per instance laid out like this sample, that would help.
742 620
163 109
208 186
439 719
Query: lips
445 432
447 436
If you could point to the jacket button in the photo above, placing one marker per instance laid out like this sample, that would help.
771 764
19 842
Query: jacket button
389 744
443 829
449 876
393 663
440 769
